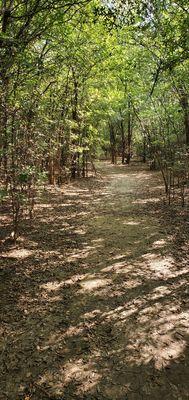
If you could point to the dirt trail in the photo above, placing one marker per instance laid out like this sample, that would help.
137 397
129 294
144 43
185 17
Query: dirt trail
95 295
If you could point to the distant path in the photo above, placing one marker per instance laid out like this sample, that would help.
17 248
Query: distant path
95 297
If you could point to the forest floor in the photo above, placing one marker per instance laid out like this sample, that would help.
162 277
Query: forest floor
94 296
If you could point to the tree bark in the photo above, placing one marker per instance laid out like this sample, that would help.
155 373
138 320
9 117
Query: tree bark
185 107
129 132
122 143
112 143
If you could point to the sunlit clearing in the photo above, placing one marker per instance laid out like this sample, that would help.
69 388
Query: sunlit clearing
81 254
99 240
119 267
91 315
65 205
80 231
145 201
74 331
163 344
160 266
79 371
50 286
160 292
20 254
162 352
92 284
86 374
131 223
42 206
159 243
160 328
120 256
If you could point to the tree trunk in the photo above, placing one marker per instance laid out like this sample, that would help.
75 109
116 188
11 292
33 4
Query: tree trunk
144 150
75 158
51 176
74 166
112 144
4 121
129 132
122 143
185 107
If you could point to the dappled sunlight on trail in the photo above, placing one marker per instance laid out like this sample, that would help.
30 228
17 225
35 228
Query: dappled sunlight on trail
96 298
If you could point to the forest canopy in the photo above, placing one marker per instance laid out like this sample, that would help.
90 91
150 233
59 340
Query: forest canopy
79 79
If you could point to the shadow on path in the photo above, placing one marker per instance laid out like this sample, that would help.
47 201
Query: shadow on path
95 297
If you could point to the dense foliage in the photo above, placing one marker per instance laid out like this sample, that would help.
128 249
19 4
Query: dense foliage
79 79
